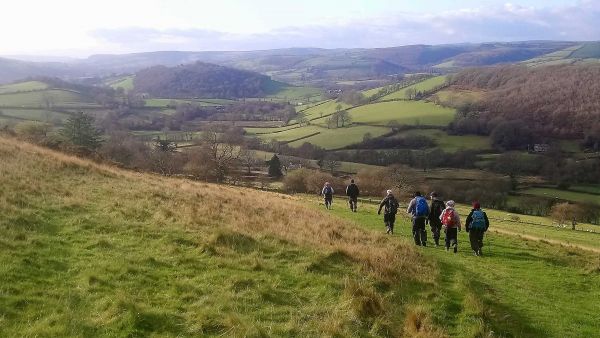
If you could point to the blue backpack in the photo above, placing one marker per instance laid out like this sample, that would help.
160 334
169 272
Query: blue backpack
421 207
478 220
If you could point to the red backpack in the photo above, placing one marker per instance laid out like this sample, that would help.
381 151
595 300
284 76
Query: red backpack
449 218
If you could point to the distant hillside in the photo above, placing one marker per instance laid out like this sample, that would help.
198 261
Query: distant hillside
302 65
200 80
12 70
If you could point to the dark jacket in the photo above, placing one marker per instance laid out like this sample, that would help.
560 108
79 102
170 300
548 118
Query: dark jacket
435 210
391 205
352 190
470 219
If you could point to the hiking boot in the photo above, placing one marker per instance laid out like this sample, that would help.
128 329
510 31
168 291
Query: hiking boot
479 253
455 249
476 253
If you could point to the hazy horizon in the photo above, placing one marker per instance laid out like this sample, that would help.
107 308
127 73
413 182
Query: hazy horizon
67 28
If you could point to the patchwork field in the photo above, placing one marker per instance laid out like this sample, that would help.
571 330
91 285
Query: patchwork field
451 143
126 83
341 137
40 99
428 84
41 115
403 112
23 87
563 194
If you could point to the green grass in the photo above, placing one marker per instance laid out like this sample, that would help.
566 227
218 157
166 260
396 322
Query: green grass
428 84
23 86
163 103
588 50
35 114
341 137
323 110
126 83
326 138
451 143
590 188
89 250
37 99
515 290
563 194
403 112
288 134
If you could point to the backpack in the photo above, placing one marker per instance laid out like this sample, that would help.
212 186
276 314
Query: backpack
421 207
449 218
392 206
327 191
478 220
437 207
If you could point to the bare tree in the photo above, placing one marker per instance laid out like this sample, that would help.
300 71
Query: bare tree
248 159
331 164
221 155
565 212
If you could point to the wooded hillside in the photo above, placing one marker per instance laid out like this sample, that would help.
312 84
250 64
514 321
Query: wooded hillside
559 101
200 79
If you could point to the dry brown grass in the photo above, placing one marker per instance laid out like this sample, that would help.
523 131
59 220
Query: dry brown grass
418 324
160 201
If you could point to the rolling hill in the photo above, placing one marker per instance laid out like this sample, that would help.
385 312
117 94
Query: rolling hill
91 250
301 65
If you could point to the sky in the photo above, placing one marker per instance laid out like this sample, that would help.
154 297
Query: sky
79 28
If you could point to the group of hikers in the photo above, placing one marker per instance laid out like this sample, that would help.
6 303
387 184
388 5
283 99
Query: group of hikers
439 214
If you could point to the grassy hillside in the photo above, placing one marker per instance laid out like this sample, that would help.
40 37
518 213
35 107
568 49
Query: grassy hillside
125 82
525 286
89 250
38 99
428 84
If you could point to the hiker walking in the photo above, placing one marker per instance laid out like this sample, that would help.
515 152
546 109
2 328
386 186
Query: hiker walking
476 225
435 211
352 192
451 223
389 214
419 210
327 193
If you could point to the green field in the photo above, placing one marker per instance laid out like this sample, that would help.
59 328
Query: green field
35 115
457 97
341 137
515 290
126 83
23 87
563 195
589 188
403 112
164 103
324 109
421 86
451 143
323 137
39 99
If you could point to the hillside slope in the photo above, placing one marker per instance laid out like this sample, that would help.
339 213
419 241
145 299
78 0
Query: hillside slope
89 250
200 80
